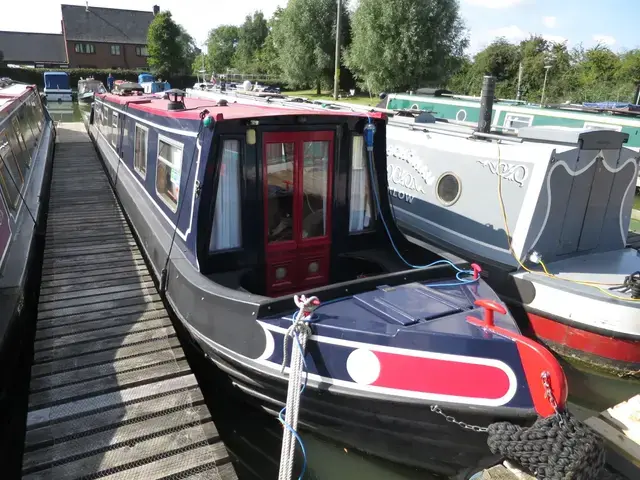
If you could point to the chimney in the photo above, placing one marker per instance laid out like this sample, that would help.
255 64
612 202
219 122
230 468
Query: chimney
486 103
86 9
156 10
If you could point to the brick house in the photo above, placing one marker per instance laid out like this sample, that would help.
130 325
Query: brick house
97 37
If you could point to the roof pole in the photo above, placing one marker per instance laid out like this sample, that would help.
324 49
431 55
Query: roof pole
336 76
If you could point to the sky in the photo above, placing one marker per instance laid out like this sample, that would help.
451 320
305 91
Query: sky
609 22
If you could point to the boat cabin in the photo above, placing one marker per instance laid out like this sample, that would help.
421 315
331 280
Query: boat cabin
90 85
267 201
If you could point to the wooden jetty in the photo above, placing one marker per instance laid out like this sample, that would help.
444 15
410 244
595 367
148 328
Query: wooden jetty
620 427
111 393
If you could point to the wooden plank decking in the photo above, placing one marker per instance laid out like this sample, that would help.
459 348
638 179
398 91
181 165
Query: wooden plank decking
111 393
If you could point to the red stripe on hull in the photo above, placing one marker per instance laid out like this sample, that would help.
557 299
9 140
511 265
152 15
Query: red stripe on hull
618 349
437 376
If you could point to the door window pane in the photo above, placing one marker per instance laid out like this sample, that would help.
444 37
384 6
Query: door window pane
140 151
169 167
279 158
226 232
10 177
360 204
314 189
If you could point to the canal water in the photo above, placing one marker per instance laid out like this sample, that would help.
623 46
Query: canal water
253 437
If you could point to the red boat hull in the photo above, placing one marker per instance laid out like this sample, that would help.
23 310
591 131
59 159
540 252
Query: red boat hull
613 353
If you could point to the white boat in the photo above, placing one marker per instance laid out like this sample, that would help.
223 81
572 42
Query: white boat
547 210
56 87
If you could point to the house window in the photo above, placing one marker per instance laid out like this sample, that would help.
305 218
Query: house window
226 232
11 179
115 49
360 205
85 48
140 150
169 167
114 130
142 51
513 122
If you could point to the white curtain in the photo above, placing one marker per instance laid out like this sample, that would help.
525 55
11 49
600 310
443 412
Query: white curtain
226 232
360 198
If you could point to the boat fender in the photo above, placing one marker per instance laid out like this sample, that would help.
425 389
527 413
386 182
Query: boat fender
553 448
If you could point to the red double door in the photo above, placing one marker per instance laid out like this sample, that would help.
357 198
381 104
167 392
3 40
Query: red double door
297 173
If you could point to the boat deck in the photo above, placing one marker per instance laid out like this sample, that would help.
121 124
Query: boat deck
111 394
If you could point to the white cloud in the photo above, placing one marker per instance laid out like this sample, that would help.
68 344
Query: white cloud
549 22
512 33
554 38
493 3
604 39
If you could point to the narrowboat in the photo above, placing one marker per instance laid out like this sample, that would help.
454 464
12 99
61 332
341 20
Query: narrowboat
26 147
88 87
239 207
56 87
552 239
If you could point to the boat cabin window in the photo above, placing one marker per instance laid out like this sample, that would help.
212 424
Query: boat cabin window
114 130
360 204
513 121
36 112
24 160
29 132
602 126
106 119
226 232
140 150
11 179
169 167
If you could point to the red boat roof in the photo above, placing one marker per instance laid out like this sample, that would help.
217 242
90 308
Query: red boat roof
233 111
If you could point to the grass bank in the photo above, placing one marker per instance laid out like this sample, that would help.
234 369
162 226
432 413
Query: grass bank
360 99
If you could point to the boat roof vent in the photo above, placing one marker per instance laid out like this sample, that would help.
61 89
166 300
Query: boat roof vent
176 99
222 103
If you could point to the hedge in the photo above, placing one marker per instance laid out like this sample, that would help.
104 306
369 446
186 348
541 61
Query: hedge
36 76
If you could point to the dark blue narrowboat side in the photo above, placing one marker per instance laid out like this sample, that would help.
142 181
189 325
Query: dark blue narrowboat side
238 207
27 137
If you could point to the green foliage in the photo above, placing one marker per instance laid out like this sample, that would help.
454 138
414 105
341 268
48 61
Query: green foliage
574 76
401 44
251 37
165 42
189 49
221 47
304 39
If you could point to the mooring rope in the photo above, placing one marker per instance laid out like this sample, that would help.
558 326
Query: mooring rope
299 331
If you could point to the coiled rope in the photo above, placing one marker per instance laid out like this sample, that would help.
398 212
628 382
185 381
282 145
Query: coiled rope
299 331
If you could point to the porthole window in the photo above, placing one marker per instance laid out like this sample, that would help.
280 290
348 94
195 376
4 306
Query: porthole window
448 188
461 116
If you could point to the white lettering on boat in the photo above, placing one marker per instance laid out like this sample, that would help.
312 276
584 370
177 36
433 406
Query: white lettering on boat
402 177
512 172
401 195
409 156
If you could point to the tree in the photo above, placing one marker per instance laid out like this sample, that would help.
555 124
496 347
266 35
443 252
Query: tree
304 38
400 44
164 47
251 37
189 49
221 47
201 62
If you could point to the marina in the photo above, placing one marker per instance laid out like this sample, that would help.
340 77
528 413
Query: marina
230 281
